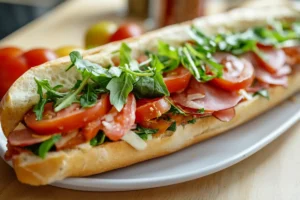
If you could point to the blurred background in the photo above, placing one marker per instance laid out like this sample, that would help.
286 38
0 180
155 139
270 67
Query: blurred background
17 13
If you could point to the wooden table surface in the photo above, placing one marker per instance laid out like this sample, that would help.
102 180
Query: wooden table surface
272 173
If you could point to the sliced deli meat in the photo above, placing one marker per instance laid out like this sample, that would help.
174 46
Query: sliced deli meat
263 75
25 137
212 99
270 59
225 115
266 77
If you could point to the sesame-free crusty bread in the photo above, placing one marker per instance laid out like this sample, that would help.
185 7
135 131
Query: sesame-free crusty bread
86 160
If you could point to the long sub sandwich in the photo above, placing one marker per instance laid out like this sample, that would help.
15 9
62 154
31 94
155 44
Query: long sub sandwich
146 97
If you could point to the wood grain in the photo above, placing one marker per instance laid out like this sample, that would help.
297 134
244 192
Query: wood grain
272 173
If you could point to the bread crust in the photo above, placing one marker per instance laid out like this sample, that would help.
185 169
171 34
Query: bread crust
85 160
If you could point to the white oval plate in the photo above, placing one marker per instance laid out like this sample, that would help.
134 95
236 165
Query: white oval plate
194 162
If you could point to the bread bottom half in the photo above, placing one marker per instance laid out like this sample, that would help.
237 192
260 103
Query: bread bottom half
86 160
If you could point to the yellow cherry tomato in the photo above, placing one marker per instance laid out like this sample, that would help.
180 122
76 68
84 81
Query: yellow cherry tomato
99 34
66 50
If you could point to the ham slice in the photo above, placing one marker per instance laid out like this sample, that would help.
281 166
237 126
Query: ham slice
25 137
277 78
266 77
213 99
225 115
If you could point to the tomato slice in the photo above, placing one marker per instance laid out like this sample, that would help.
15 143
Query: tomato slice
91 129
270 59
116 124
178 79
237 73
67 119
152 109
160 124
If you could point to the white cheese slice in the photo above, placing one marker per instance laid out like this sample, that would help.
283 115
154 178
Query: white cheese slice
134 140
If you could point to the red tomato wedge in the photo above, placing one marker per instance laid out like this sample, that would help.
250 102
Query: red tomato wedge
24 137
270 59
151 109
225 115
178 79
207 97
116 124
238 73
67 119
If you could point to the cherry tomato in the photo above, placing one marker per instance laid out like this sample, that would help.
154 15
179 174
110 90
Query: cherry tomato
99 34
66 50
238 73
116 124
178 79
9 52
151 109
126 31
67 119
11 70
37 57
270 59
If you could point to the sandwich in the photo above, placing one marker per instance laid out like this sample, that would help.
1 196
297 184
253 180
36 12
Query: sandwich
149 96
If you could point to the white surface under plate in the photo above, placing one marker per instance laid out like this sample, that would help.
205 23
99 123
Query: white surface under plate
196 161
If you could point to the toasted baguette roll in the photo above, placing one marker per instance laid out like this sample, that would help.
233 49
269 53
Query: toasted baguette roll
86 160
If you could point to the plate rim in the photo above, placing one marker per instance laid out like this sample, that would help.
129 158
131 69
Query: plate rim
88 184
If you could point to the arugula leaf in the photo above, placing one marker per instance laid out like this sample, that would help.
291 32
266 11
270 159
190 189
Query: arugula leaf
151 87
144 132
89 98
45 146
71 97
168 56
51 95
172 127
263 92
174 109
201 111
202 40
119 88
125 57
98 139
192 121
